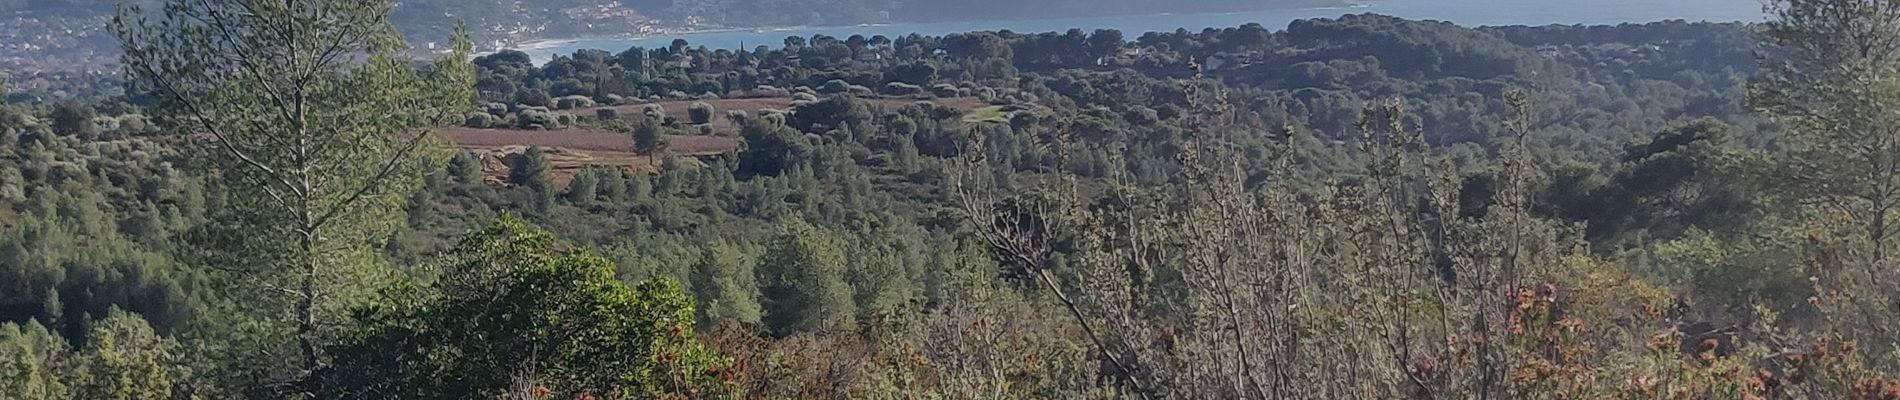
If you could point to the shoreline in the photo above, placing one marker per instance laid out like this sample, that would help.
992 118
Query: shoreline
547 43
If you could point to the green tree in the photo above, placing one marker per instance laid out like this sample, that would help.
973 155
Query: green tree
512 313
74 118
700 113
322 125
772 148
649 137
584 188
1831 77
32 362
533 169
801 282
466 168
125 359
726 287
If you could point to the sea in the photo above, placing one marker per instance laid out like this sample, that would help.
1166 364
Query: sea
1462 12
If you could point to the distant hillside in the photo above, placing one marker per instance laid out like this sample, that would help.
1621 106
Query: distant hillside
431 20
940 10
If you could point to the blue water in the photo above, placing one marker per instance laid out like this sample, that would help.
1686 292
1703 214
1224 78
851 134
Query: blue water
1462 12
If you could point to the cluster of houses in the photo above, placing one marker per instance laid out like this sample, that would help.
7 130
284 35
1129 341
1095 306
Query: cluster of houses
48 44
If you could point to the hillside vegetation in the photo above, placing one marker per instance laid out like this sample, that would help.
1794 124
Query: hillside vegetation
1356 207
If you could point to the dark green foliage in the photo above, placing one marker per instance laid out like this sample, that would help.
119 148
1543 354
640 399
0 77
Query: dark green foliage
481 120
726 286
649 137
511 314
700 113
531 169
465 168
801 282
75 119
772 148
533 97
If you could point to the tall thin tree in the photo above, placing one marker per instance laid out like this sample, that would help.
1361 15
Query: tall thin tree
1831 77
317 120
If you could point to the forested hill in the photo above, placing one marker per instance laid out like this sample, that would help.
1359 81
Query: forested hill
976 10
1354 207
428 19
1322 69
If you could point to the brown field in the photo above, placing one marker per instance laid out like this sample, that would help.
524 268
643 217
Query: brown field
583 140
574 149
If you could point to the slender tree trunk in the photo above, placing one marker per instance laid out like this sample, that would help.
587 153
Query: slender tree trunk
306 302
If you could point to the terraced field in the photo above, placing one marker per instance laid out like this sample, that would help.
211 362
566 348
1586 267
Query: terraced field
574 149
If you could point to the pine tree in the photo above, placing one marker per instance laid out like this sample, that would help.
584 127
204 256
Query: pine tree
31 362
125 359
320 125
724 282
801 284
1831 77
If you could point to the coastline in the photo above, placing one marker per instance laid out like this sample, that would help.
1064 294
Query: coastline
530 45
548 43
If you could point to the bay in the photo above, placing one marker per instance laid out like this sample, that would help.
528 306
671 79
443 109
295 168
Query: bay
1462 12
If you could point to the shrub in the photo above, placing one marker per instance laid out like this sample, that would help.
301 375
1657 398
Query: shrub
572 102
495 109
834 86
654 111
700 113
105 124
564 119
134 125
480 120
606 114
532 97
986 94
773 115
536 116
945 90
769 91
804 98
514 287
859 91
902 89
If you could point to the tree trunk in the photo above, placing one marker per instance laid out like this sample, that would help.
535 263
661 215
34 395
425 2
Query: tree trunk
306 302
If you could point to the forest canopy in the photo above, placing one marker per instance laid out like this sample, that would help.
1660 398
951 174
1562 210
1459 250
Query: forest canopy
1353 207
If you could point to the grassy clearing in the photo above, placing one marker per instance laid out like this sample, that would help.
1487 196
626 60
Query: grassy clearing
990 114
